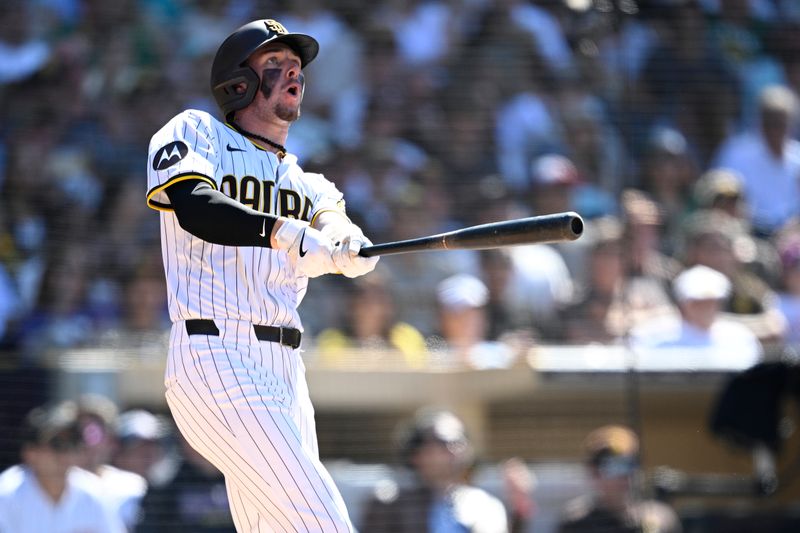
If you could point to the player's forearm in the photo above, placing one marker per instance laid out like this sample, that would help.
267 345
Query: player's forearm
210 215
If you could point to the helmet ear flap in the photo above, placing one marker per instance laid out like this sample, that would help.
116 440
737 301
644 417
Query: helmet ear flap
228 98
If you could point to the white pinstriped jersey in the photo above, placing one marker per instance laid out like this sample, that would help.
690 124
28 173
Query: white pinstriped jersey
206 280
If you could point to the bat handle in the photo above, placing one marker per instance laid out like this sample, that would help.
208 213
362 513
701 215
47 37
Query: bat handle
368 251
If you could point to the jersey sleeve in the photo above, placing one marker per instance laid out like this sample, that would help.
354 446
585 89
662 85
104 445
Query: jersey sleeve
185 148
326 197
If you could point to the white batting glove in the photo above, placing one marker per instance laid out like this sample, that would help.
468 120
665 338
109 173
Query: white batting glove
309 250
338 232
347 260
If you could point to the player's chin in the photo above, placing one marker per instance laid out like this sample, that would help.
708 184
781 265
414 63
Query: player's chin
289 113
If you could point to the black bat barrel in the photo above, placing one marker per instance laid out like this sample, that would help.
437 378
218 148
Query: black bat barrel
539 229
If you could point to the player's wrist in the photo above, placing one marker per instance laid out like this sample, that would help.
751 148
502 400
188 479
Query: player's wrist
286 231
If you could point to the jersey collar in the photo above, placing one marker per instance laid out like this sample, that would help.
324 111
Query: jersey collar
251 141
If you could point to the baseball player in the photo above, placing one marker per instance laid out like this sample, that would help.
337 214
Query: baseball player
242 230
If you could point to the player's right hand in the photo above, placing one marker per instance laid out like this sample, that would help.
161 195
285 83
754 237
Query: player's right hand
309 250
347 259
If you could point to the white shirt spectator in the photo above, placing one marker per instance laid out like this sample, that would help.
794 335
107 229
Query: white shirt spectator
547 33
700 338
771 186
624 52
541 282
522 126
422 37
674 344
25 508
122 493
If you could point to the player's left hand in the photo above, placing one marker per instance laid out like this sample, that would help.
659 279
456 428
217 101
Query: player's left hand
308 249
338 232
346 257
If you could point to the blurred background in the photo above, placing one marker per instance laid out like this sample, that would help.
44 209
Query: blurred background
669 125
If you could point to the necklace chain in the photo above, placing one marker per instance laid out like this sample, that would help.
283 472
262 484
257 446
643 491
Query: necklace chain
281 148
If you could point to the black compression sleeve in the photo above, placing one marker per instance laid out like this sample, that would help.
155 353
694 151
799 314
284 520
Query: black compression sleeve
210 215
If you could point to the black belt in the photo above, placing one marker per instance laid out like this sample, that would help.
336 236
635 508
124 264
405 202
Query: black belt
281 335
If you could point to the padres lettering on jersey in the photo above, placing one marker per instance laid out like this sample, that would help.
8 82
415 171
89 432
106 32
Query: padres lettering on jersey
208 280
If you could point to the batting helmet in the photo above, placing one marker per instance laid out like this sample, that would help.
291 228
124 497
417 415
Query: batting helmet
229 68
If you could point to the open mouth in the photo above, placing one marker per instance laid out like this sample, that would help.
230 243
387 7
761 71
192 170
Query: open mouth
294 90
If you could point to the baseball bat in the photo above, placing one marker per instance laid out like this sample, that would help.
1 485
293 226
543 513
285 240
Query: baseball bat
539 229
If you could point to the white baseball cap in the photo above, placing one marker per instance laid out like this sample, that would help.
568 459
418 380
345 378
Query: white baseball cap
138 424
554 169
462 291
701 283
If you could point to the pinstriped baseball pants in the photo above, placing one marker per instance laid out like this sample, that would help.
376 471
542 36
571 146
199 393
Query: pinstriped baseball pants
244 405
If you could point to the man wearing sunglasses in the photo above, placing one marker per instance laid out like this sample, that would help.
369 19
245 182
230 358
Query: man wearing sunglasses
614 504
47 492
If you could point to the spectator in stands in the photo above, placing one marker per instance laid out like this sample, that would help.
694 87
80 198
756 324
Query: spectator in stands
21 53
48 492
421 29
329 108
789 288
599 313
371 325
193 501
721 190
713 239
464 155
644 232
503 312
541 283
418 211
521 105
142 446
435 448
668 169
142 309
625 272
686 80
768 160
62 318
735 32
614 503
554 182
594 146
701 336
463 326
122 490
543 22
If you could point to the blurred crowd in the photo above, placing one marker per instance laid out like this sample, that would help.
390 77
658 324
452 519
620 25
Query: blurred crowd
669 125
83 465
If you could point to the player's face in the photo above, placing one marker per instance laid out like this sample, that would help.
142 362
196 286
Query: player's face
282 82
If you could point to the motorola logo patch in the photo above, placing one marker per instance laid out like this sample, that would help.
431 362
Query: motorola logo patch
168 155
